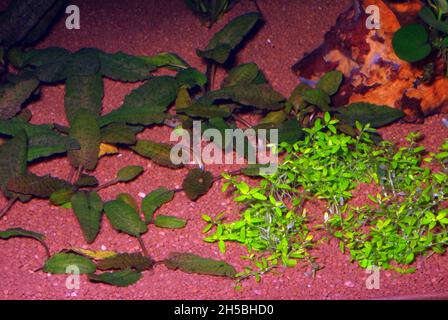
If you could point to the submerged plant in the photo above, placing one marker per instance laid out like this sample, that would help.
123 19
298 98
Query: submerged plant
408 219
209 11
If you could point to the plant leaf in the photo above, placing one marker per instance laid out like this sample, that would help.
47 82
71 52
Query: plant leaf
120 133
261 96
129 173
246 73
61 263
317 97
169 222
13 96
160 153
207 111
124 218
83 92
191 263
168 60
86 180
427 15
96 255
42 140
142 116
20 17
88 208
13 155
124 67
61 197
123 278
45 22
86 131
49 63
190 78
330 82
122 261
155 200
41 187
290 132
19 232
127 198
253 170
84 62
197 183
107 149
410 43
225 40
157 93
365 113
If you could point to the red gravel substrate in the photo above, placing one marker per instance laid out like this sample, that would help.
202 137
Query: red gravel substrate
148 27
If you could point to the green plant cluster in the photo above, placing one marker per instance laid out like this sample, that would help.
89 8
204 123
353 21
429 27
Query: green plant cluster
406 219
275 219
415 42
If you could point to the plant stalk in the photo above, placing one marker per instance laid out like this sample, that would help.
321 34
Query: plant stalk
142 245
106 185
7 207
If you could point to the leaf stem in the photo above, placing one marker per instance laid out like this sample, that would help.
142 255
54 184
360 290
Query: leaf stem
7 207
210 72
47 250
142 245
106 185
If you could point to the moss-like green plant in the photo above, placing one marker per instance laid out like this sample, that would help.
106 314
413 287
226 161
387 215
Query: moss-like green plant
409 217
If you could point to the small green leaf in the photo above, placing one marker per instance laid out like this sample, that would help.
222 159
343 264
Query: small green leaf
197 183
86 131
115 133
154 200
160 153
83 92
377 116
62 197
260 96
170 222
191 263
88 208
168 60
123 261
123 278
330 82
228 38
63 263
13 155
124 218
157 94
317 97
190 78
130 200
129 173
124 67
86 180
41 187
19 232
13 96
246 73
411 44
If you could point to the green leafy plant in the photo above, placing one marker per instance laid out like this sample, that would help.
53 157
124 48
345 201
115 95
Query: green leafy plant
414 42
209 11
407 220
274 220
